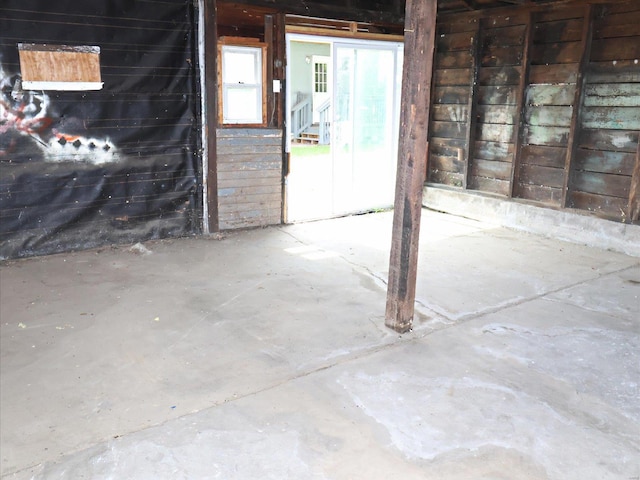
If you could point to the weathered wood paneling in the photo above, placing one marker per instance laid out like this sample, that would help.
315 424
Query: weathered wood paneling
249 177
557 50
453 76
602 175
575 140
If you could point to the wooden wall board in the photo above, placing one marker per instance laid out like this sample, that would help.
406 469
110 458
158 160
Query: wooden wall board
618 163
494 151
450 113
491 169
550 136
550 74
540 194
504 75
499 133
558 31
501 55
610 207
249 177
455 41
548 115
609 140
497 114
451 95
453 76
547 94
504 36
497 95
489 185
612 94
543 176
543 155
445 178
455 59
556 53
611 118
602 184
574 140
633 209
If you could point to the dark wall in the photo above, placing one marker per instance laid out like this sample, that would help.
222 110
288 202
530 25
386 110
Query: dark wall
541 105
82 169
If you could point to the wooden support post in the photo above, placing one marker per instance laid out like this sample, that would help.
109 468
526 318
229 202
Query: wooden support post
211 109
519 123
419 40
574 130
271 100
472 107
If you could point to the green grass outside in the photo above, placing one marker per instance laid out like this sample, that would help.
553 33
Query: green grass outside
310 150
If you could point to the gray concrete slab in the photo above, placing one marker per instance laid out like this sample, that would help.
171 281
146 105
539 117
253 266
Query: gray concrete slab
263 355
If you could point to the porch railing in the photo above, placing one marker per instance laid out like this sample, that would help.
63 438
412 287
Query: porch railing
301 115
324 111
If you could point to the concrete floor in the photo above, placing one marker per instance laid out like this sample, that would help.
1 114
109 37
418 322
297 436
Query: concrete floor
263 355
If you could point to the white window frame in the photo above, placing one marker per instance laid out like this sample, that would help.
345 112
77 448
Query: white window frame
258 50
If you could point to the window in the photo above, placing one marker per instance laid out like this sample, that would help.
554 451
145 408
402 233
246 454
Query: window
320 77
59 67
242 86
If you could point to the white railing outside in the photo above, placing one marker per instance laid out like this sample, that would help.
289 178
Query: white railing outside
325 122
301 115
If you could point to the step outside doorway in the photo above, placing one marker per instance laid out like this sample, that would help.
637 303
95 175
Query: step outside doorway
343 116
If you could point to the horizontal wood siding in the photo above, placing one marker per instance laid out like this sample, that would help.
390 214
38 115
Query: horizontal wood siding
452 93
501 50
576 71
249 177
602 175
548 108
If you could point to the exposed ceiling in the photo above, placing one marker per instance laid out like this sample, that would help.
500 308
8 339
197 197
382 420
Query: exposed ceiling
249 14
452 6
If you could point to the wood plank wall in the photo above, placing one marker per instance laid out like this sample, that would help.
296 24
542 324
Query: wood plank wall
541 105
249 177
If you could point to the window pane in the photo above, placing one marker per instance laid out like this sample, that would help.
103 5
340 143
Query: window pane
242 105
241 65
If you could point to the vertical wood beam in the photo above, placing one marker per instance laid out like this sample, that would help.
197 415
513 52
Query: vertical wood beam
279 72
633 213
211 109
578 99
472 105
279 69
518 127
271 100
419 41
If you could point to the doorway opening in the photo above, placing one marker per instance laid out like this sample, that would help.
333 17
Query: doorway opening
342 127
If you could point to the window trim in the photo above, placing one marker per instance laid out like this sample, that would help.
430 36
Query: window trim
241 42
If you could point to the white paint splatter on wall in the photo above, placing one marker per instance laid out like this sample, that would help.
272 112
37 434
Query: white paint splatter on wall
25 123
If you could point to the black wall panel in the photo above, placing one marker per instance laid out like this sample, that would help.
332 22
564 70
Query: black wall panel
80 169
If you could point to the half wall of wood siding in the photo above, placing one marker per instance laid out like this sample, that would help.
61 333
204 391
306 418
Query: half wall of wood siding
249 177
541 105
